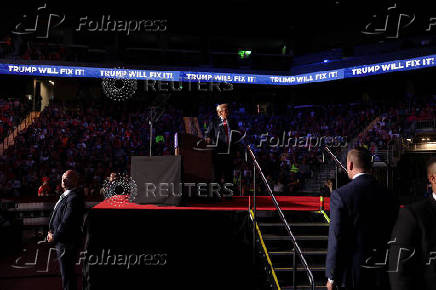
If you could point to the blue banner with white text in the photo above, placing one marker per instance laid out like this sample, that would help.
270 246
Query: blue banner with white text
218 77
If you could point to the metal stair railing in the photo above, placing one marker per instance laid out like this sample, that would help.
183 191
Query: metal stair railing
297 250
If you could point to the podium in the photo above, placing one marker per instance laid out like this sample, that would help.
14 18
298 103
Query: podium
197 159
157 179
161 180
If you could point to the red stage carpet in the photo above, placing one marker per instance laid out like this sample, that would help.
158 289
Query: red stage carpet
308 203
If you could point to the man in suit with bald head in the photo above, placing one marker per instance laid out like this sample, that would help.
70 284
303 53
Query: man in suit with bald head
362 214
65 227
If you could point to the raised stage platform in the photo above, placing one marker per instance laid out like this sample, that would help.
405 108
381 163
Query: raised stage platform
201 245
309 203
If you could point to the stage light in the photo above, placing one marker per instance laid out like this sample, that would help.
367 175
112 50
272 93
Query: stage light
119 88
326 61
121 190
51 82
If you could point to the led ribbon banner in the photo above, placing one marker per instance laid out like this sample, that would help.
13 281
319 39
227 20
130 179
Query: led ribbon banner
218 77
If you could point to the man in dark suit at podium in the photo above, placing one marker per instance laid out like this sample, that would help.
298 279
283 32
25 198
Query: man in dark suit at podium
362 215
65 227
412 255
223 136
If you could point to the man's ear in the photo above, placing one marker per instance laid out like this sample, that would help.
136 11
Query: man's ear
351 166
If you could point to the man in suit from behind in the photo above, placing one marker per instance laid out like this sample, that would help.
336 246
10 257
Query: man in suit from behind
362 214
412 252
65 227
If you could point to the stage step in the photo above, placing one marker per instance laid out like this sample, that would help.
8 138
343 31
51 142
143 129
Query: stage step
300 268
305 252
295 224
311 233
282 259
298 229
298 238
301 287
282 242
292 217
285 275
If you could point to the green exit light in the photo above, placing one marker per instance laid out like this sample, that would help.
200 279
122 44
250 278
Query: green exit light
244 53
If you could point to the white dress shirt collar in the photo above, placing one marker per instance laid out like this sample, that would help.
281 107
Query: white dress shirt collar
66 192
359 174
62 196
434 195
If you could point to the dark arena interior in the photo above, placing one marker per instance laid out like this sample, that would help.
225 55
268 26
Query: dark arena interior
217 145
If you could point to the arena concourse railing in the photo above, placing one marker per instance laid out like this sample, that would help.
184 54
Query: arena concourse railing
297 250
425 124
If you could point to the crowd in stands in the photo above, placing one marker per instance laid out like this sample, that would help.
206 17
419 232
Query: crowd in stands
18 48
45 52
397 121
288 166
12 112
97 138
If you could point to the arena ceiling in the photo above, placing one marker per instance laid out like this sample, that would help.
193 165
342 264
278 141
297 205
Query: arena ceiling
228 26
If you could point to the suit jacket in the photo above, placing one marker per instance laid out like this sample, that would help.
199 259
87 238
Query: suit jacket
362 215
67 218
217 134
412 253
